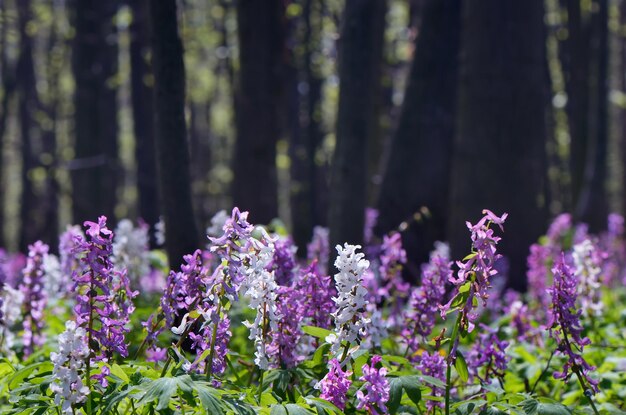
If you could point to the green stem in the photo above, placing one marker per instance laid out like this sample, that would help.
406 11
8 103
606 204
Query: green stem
213 335
542 373
453 340
89 341
260 392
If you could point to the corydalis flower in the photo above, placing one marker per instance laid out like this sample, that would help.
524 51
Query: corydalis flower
68 241
537 274
392 258
565 326
334 386
475 271
424 301
350 300
376 386
434 365
35 298
319 249
488 352
284 262
130 249
11 311
67 384
103 295
588 262
261 289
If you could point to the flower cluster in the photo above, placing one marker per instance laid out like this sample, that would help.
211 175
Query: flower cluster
319 248
488 352
434 365
419 318
476 270
69 361
35 297
68 241
284 262
334 386
103 295
11 301
350 301
376 386
392 257
130 249
565 326
588 262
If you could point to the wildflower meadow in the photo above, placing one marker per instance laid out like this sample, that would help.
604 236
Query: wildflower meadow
245 327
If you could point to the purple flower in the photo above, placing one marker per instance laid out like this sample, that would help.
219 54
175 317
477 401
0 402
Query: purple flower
68 241
424 302
284 261
559 228
201 342
317 292
103 294
35 297
285 340
371 217
319 248
488 352
477 268
565 327
376 386
538 274
433 365
392 258
334 386
233 247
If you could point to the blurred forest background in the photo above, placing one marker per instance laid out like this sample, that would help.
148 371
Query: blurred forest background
310 111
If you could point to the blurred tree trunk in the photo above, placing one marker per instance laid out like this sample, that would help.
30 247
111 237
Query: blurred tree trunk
261 31
141 82
7 77
575 58
48 159
304 144
499 160
94 64
31 223
592 206
358 73
171 132
418 168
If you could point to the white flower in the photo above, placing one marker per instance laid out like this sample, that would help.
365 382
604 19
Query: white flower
54 280
67 384
260 288
130 249
587 261
217 224
11 311
350 301
159 231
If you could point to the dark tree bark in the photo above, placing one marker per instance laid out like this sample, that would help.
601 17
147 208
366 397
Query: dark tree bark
7 71
499 157
143 119
171 132
417 173
306 136
261 31
576 67
31 223
94 64
592 206
358 71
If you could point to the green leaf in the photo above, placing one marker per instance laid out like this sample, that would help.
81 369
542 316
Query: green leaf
318 332
395 395
295 409
465 287
278 410
411 385
116 370
209 398
433 381
161 390
322 406
461 366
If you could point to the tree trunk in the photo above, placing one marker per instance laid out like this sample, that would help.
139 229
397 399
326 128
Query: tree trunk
305 142
499 156
358 70
31 223
261 31
592 206
143 119
94 63
171 132
417 172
